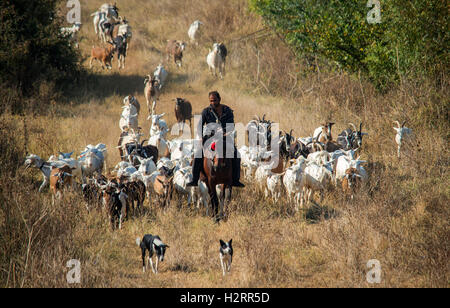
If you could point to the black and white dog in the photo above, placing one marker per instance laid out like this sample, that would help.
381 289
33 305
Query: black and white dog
153 244
226 255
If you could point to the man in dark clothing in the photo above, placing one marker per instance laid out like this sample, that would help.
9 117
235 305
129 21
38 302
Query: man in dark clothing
220 114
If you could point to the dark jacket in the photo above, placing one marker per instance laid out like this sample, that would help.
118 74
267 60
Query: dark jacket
210 116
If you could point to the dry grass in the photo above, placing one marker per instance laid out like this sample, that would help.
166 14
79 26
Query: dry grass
400 218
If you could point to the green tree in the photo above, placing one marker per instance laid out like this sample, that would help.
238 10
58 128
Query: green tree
32 49
411 39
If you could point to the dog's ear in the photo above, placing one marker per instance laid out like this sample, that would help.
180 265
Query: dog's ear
230 241
222 243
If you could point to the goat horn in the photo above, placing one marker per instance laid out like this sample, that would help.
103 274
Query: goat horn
352 125
398 124
360 126
404 122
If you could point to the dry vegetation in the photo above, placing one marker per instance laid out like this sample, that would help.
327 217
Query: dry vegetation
400 218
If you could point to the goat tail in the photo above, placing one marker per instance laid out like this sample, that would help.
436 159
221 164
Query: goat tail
138 241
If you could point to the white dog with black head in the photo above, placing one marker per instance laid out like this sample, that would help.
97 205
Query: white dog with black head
226 256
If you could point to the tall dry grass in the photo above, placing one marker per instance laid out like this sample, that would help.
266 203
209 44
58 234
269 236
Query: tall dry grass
400 217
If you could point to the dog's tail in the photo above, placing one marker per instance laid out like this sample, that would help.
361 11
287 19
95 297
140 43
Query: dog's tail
138 241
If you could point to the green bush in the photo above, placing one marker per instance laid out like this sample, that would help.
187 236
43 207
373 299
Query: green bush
32 50
410 41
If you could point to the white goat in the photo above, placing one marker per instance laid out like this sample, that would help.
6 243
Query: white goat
158 125
34 160
316 178
160 74
344 163
180 179
274 186
404 134
215 61
194 32
128 119
292 181
72 32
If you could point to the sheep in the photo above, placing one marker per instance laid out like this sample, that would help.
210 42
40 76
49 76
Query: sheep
194 32
404 134
183 111
175 49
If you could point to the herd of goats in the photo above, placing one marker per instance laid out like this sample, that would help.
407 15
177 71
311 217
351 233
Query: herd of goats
162 168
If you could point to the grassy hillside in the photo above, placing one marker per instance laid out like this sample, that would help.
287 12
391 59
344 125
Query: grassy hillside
400 217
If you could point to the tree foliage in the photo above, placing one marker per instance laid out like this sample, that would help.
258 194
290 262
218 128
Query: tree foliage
410 41
32 49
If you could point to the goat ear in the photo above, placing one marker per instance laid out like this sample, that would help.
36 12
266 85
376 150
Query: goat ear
160 181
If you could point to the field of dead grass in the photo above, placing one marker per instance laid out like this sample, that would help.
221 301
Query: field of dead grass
400 217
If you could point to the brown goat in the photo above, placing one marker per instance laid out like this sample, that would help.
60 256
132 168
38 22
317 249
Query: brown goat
104 55
60 177
152 92
163 187
351 181
175 49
